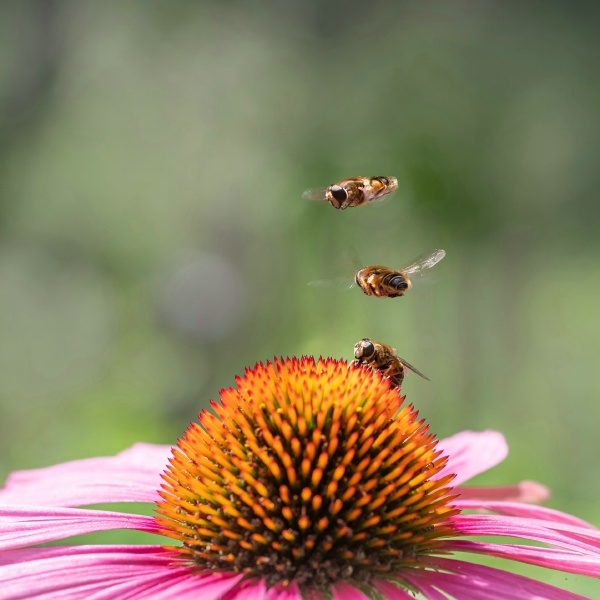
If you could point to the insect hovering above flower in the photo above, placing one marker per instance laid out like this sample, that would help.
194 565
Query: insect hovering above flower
354 191
383 358
385 282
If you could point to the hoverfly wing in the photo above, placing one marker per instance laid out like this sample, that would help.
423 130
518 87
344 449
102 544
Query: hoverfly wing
315 194
349 263
423 262
413 369
342 283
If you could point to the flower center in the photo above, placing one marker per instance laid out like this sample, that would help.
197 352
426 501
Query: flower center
310 471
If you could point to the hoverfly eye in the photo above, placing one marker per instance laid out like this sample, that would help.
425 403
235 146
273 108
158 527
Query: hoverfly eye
368 348
339 193
399 283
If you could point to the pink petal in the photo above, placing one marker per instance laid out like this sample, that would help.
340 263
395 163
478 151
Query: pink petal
166 585
131 476
526 491
478 582
28 525
249 590
578 539
424 587
393 592
289 593
105 573
257 590
189 586
344 591
471 453
560 560
518 509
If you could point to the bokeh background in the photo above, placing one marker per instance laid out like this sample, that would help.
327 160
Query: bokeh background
153 240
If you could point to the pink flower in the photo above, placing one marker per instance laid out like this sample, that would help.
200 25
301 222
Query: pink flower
305 459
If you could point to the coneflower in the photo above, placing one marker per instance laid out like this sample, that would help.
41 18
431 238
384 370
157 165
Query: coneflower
310 480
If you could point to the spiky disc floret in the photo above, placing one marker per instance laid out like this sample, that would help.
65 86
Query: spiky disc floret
310 471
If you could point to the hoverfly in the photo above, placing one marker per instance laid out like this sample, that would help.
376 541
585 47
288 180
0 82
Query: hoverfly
390 283
383 358
354 191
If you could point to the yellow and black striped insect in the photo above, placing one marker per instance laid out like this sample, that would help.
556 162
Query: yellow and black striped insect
383 358
355 191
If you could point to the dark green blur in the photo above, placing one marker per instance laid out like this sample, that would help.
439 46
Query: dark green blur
154 243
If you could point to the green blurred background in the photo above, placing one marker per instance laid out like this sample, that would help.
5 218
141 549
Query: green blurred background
153 240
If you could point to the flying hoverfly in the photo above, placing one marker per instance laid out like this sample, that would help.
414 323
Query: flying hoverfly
383 358
354 191
385 282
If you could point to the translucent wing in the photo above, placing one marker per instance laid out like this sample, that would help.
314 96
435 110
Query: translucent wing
344 283
423 262
315 194
349 262
409 366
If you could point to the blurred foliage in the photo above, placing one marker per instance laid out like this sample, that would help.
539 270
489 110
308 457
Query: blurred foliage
153 241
